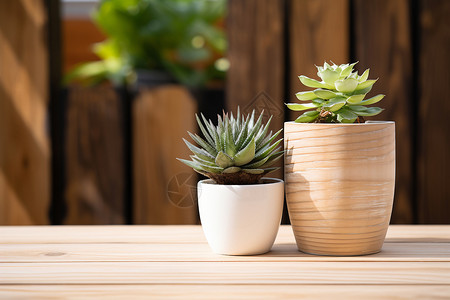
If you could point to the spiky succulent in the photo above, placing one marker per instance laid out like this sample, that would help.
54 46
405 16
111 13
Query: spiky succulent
236 151
339 97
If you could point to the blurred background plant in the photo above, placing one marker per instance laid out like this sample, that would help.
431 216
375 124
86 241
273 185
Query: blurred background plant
184 39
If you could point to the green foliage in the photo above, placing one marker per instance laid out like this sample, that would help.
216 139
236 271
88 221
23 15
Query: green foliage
181 37
236 151
339 97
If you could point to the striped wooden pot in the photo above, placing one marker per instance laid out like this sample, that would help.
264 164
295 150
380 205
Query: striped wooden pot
339 181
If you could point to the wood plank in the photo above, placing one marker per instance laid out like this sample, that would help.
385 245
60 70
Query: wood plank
434 106
347 292
318 32
226 273
382 39
95 159
24 144
164 188
186 234
57 253
255 50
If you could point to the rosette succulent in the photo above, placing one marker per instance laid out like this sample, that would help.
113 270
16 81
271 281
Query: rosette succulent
236 151
338 97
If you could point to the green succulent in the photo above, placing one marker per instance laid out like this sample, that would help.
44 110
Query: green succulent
338 98
236 151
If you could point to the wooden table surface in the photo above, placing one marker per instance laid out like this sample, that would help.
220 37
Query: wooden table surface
175 262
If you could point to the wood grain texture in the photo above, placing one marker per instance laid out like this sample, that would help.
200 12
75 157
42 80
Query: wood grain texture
434 106
175 262
382 43
164 188
228 291
200 252
318 32
95 156
186 234
255 50
218 272
24 144
339 185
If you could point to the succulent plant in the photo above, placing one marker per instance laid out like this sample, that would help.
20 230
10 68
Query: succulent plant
338 98
236 151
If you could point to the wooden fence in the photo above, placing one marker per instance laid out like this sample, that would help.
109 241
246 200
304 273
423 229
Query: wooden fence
405 43
24 143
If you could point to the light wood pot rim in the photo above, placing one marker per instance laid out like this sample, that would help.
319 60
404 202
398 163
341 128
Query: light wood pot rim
368 123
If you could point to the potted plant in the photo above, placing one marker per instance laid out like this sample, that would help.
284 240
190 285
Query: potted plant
240 209
339 169
153 42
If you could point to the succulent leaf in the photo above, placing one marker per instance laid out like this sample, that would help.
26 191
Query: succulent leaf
254 130
266 151
305 96
202 161
257 164
324 94
346 85
253 171
223 160
364 76
203 154
206 133
366 111
334 104
273 159
347 70
210 149
269 139
346 116
246 155
307 117
355 99
192 164
243 135
201 167
318 102
268 170
363 91
329 76
314 83
234 151
300 107
365 84
263 132
231 170
230 146
372 100
333 99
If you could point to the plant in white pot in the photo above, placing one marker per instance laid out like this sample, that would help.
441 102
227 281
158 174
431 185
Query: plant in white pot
240 210
339 169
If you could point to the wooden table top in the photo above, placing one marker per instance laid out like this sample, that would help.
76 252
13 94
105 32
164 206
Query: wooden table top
175 262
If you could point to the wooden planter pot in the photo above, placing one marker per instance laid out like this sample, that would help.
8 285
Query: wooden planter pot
339 181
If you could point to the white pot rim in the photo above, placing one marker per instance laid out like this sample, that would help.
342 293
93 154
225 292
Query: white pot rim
267 180
367 123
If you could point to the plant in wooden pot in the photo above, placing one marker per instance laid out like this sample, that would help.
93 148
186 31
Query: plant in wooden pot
240 209
339 169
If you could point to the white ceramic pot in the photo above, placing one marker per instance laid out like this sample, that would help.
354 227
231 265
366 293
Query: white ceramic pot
340 185
241 219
